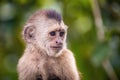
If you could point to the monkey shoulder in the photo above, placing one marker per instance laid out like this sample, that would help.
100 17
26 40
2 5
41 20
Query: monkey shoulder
67 57
67 54
69 65
27 65
28 60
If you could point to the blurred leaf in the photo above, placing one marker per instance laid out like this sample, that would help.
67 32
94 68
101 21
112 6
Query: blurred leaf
81 25
10 62
100 53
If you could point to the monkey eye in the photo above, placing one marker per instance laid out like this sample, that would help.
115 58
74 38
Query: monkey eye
52 33
62 33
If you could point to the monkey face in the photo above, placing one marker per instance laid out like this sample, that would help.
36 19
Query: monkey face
56 38
56 41
51 37
48 35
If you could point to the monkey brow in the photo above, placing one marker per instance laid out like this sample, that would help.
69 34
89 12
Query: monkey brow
52 14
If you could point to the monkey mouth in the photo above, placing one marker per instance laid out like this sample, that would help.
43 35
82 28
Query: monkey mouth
56 47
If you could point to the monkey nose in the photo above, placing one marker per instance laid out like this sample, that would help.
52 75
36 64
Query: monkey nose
59 42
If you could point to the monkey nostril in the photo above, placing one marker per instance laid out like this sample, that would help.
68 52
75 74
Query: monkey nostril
59 43
56 41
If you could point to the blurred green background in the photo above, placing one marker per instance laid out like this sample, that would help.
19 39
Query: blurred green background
93 34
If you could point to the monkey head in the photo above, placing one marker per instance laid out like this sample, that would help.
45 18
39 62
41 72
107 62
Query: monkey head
46 30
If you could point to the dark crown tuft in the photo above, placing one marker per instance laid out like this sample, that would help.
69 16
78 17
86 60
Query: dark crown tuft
52 14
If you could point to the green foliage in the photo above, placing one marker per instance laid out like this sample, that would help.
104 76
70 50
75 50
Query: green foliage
82 34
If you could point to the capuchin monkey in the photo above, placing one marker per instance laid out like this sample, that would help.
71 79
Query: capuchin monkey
46 56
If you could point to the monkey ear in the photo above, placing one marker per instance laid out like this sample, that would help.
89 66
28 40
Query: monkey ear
29 33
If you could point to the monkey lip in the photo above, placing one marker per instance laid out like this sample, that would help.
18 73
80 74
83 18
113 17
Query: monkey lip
56 47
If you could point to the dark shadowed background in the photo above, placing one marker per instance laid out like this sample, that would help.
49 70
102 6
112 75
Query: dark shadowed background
93 34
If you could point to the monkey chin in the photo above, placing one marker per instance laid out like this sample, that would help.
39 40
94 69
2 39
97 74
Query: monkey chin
53 52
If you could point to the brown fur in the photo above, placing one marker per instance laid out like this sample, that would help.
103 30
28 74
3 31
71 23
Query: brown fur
38 63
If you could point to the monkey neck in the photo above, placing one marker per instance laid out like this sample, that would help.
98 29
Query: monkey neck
30 48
